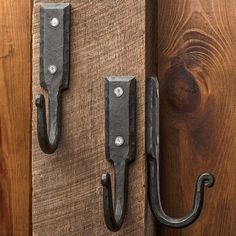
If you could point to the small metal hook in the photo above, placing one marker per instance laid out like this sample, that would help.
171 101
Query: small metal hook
49 143
114 219
54 70
120 145
152 149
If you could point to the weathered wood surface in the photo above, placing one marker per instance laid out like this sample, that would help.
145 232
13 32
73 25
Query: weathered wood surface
15 117
107 38
196 68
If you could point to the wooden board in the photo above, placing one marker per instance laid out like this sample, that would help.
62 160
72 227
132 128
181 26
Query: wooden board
15 117
196 67
107 38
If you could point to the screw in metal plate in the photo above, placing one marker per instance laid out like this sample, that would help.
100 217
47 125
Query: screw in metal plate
52 69
54 22
118 91
119 141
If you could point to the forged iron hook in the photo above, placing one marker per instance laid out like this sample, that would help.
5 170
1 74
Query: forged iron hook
54 71
114 219
49 143
120 106
152 147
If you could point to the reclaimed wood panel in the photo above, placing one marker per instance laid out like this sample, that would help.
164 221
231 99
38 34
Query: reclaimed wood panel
196 47
107 38
15 117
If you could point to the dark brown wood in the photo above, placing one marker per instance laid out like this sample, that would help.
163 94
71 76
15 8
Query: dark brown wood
15 117
196 68
107 38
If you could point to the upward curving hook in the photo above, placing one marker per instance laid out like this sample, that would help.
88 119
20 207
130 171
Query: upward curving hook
114 219
54 71
152 149
120 145
48 143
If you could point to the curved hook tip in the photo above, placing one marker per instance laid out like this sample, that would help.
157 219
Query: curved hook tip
206 178
106 180
40 101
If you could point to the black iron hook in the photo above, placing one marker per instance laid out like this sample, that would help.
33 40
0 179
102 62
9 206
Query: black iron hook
152 149
49 143
120 145
54 70
114 219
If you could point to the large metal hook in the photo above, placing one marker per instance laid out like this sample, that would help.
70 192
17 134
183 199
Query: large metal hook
120 145
54 70
152 149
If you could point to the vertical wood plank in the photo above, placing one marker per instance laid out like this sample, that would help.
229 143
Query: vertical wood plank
107 38
15 117
150 69
196 68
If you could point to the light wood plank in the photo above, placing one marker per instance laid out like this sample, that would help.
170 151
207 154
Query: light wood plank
107 38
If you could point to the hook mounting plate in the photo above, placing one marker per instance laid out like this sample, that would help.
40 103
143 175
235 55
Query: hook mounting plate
120 118
54 46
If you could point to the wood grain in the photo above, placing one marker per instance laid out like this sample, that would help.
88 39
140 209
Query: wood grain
15 117
107 38
196 67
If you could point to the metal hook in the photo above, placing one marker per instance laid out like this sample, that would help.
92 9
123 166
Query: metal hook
54 70
152 148
114 219
48 144
120 145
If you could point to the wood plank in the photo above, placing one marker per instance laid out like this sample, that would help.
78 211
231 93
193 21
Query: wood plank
15 117
196 68
107 38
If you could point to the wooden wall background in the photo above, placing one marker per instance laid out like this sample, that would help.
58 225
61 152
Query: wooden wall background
196 48
107 38
195 45
15 117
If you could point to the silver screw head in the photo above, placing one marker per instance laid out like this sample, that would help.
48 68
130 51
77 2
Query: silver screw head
119 141
52 69
118 91
54 22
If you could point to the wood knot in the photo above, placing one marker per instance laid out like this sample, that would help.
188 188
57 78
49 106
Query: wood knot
181 89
